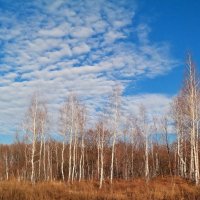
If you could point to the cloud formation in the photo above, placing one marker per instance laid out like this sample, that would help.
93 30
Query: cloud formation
82 46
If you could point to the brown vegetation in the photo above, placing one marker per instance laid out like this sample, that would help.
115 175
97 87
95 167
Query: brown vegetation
159 188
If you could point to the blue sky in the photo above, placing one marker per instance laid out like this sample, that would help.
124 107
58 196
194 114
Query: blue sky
88 47
178 24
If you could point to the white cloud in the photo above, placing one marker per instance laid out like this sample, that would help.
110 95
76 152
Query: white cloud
111 36
155 104
81 32
80 49
73 45
59 31
142 32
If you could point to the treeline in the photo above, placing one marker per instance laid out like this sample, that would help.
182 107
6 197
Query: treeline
129 161
140 147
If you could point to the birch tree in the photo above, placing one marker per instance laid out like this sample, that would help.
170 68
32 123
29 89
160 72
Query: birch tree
191 93
63 131
115 119
181 130
145 129
102 136
43 118
187 118
34 123
72 123
82 121
164 127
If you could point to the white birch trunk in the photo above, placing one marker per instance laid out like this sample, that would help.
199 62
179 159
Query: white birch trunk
62 161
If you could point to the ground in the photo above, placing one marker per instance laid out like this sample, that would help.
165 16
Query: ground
168 188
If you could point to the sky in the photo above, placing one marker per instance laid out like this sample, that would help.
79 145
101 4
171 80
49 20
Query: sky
87 46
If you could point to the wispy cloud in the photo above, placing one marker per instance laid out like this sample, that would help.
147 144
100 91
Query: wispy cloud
85 46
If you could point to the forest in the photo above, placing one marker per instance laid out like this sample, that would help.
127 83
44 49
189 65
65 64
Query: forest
146 157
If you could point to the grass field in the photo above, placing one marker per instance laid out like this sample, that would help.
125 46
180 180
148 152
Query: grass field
160 188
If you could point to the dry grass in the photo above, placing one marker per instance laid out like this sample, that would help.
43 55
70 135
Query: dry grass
160 188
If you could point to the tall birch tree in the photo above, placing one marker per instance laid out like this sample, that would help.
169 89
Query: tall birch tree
115 126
